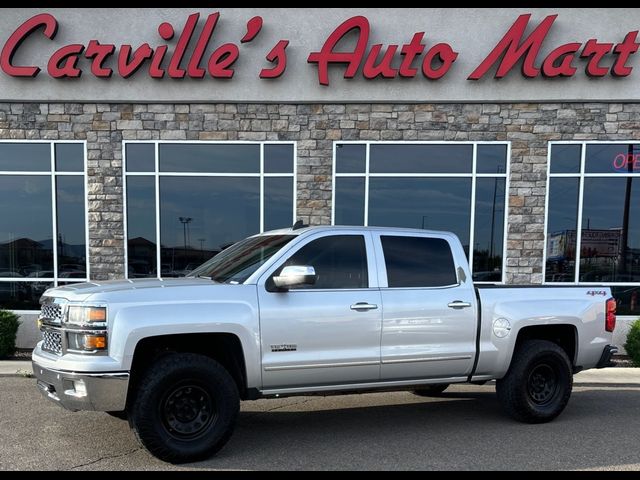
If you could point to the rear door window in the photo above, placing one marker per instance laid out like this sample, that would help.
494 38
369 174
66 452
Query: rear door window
414 262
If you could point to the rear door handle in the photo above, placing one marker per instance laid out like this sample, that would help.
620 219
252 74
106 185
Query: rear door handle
459 305
363 306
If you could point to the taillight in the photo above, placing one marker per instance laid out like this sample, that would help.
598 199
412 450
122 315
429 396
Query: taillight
610 320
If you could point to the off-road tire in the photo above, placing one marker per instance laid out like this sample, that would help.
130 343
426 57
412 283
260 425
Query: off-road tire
185 408
537 387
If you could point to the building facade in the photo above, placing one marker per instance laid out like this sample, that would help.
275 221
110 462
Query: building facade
144 162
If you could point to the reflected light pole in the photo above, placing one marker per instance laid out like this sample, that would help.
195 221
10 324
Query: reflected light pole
185 221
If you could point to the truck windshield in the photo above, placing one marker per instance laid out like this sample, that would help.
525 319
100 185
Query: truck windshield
238 262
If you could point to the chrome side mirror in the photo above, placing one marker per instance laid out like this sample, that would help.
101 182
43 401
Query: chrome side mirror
295 276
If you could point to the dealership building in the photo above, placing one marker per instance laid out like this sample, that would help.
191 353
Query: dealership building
138 143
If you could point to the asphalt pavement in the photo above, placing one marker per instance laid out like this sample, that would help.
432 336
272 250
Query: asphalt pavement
464 429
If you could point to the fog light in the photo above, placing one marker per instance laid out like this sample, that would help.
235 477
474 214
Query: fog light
501 327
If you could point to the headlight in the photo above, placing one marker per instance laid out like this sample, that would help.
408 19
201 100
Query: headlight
87 316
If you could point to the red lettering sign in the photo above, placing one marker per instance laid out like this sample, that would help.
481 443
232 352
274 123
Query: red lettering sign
187 56
627 162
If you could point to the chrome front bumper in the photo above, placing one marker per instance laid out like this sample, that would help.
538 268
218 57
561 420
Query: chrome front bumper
102 392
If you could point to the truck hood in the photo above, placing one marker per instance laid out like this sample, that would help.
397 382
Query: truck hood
82 291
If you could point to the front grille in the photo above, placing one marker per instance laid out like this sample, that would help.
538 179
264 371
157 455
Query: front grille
52 341
51 313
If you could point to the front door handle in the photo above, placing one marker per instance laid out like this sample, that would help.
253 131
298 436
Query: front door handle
363 306
459 305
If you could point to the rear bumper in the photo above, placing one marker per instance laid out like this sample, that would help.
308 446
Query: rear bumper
605 359
103 392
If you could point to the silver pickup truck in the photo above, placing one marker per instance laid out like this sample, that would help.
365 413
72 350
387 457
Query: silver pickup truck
309 310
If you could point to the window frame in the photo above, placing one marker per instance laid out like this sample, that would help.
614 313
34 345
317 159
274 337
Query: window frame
581 175
473 175
53 174
156 174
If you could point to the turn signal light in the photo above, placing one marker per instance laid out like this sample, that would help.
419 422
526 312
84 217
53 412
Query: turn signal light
610 320
95 342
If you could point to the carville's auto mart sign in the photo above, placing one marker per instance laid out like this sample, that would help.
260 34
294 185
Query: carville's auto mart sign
327 53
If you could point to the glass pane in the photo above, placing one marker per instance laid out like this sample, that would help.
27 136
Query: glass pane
69 157
414 158
218 158
141 227
561 229
418 262
566 158
22 295
489 230
628 299
349 198
278 158
72 244
351 158
278 203
492 159
340 262
26 230
25 157
427 203
141 157
610 247
199 217
613 158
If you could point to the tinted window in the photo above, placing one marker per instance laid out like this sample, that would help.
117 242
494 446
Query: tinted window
612 158
26 231
72 245
201 216
489 230
340 261
278 208
69 157
566 158
426 203
492 159
25 157
418 262
278 158
420 158
217 158
349 201
561 229
141 157
141 227
351 158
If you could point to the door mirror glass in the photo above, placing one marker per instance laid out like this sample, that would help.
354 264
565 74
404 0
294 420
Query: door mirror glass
295 276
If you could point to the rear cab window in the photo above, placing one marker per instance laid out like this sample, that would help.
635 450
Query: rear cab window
418 262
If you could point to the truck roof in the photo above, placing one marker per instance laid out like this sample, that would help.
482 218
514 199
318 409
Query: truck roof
322 228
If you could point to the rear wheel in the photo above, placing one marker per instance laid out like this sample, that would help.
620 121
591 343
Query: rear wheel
538 385
431 390
185 408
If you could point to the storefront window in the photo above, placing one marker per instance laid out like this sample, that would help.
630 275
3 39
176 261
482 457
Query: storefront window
459 187
594 210
43 239
199 198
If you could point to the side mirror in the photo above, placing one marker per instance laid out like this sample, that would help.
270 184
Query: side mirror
295 276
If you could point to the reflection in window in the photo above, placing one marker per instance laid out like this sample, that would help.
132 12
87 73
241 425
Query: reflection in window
211 195
429 186
609 236
29 252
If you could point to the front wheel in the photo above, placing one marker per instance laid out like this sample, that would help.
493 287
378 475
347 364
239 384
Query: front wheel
185 408
537 387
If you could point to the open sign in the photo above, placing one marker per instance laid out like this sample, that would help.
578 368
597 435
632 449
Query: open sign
627 161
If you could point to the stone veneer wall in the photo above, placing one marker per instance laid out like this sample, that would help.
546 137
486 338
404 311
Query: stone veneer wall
316 126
